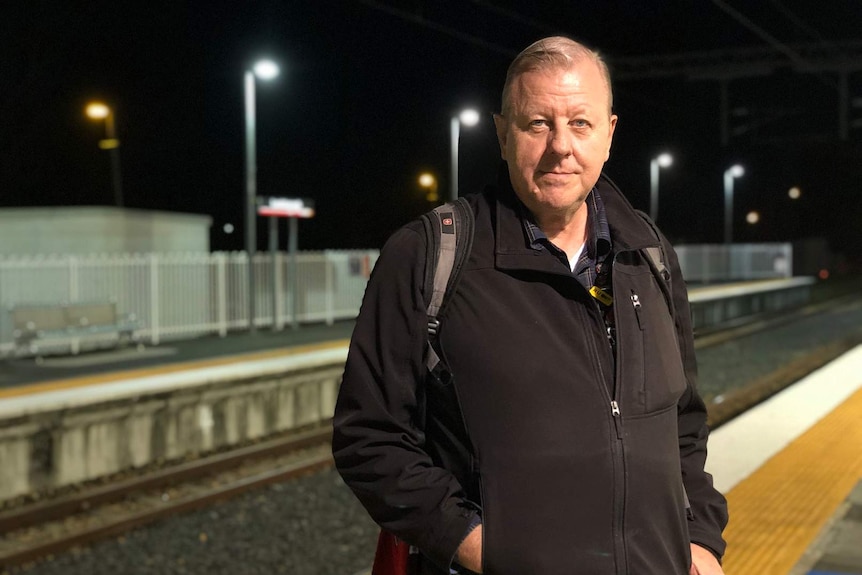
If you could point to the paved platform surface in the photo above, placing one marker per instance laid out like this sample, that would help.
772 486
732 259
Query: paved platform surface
839 549
18 372
786 466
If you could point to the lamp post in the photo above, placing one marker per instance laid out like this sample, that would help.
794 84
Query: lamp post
100 111
265 70
468 118
662 161
730 174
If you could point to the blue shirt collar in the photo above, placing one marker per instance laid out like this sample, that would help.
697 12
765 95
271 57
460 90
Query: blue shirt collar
598 244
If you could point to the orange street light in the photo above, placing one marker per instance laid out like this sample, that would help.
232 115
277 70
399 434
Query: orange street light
100 111
429 182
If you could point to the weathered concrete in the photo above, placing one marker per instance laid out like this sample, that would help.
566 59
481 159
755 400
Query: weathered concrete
72 437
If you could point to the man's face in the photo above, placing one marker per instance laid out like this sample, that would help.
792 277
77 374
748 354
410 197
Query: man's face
556 135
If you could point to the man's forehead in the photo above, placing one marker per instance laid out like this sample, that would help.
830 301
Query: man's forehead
578 85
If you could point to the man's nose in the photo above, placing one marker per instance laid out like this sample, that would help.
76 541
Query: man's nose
561 142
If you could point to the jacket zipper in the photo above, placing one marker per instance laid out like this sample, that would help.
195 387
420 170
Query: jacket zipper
617 447
616 414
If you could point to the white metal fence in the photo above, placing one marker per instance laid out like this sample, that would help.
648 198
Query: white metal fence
175 296
707 263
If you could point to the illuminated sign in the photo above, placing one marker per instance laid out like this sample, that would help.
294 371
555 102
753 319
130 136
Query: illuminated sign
286 207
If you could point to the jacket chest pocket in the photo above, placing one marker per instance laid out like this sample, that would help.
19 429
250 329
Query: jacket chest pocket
650 375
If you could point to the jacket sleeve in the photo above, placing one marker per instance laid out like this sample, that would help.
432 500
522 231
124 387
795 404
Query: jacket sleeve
708 515
377 446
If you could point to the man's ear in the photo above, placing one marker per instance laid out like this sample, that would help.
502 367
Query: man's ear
502 126
612 124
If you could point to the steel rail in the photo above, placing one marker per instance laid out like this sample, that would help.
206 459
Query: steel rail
89 500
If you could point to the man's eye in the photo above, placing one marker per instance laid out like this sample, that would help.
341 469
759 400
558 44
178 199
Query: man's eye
538 123
580 123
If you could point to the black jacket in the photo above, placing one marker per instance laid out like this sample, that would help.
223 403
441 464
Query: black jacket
526 429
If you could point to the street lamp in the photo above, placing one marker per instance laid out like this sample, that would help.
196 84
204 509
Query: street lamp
429 182
100 111
730 174
468 118
662 161
265 70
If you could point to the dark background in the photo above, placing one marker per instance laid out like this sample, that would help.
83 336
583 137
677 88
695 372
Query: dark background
366 93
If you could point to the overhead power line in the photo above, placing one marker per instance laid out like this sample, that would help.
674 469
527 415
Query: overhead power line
448 30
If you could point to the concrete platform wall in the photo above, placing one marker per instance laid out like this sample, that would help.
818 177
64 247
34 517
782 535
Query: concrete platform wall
62 445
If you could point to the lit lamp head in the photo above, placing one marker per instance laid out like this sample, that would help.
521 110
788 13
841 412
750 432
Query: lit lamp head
736 171
97 111
265 69
469 117
428 181
664 160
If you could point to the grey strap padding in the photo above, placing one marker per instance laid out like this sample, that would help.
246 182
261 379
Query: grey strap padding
657 257
445 262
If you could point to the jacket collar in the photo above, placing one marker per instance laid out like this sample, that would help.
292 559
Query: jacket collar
512 245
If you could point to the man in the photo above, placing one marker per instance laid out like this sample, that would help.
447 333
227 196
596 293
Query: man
568 437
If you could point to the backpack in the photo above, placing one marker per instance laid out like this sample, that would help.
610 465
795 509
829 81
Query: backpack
449 239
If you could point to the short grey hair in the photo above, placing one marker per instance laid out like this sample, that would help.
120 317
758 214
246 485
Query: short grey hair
553 53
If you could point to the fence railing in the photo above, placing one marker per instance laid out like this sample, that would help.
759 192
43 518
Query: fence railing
174 296
707 263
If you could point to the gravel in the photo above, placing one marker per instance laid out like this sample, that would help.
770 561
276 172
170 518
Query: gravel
737 362
314 525
309 526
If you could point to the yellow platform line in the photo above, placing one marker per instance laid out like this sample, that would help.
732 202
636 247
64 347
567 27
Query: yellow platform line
84 380
778 511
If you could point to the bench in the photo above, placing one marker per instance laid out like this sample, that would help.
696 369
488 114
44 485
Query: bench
71 324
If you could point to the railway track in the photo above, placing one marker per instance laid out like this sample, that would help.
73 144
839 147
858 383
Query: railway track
725 406
38 530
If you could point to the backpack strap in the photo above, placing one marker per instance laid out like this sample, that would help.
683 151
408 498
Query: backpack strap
658 262
449 238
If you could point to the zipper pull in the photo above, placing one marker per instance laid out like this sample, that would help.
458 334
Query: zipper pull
636 302
615 412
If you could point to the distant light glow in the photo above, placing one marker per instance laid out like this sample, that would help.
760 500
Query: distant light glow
664 160
469 117
97 110
266 69
823 274
228 228
426 180
794 193
752 217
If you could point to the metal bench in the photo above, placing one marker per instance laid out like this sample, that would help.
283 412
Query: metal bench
72 324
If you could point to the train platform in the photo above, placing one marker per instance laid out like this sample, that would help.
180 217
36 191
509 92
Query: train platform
791 470
791 467
170 356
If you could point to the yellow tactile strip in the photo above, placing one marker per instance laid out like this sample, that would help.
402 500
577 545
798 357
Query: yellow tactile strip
109 377
777 512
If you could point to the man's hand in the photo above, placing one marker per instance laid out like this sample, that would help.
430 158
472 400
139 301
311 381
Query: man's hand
469 553
703 562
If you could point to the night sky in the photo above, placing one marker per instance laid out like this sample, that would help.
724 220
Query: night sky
366 93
